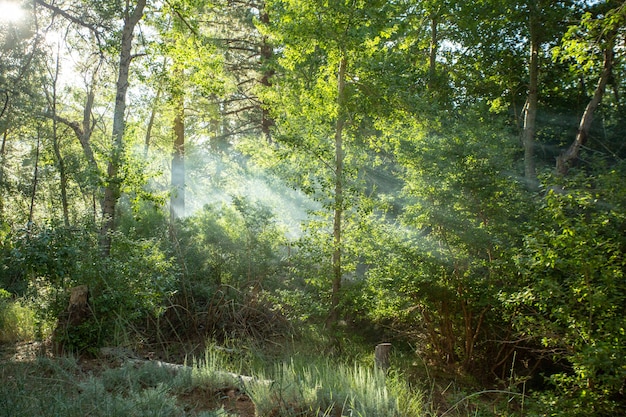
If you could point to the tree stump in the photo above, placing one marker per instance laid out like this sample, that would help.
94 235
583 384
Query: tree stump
77 313
381 356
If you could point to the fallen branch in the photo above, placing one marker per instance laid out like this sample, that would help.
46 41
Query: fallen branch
130 357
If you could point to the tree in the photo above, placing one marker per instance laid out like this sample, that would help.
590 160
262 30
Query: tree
131 17
21 58
315 103
507 45
600 33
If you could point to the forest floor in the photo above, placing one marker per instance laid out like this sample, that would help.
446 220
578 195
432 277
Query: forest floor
194 401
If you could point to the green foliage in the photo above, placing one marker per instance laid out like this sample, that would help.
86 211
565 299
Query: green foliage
134 283
573 297
46 261
436 272
50 252
238 244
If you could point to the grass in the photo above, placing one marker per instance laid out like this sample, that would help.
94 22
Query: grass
328 388
304 385
59 387
17 320
66 387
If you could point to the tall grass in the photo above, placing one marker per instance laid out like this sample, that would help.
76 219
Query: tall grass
328 388
17 320
58 387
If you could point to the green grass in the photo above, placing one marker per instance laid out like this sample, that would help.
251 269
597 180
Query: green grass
58 387
64 387
328 388
17 320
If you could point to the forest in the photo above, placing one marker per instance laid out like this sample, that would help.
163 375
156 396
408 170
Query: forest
221 207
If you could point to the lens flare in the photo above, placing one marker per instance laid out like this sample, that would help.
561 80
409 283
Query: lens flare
11 12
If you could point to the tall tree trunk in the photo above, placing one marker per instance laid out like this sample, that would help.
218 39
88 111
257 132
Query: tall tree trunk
564 161
266 78
57 148
113 183
177 198
530 108
4 129
338 203
432 60
31 211
2 162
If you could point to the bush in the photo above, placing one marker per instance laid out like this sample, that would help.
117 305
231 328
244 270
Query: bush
575 295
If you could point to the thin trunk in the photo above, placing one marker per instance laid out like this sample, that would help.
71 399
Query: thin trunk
57 149
266 79
2 162
84 129
338 203
31 210
113 183
5 131
177 198
83 132
148 138
432 61
564 161
530 108
85 135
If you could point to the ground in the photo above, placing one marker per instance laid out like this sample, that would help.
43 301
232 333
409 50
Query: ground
193 401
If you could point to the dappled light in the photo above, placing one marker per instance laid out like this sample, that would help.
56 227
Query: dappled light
312 208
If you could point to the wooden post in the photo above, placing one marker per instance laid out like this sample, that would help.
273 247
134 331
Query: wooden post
381 356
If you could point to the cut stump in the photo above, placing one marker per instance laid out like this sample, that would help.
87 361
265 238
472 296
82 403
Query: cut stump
77 313
381 356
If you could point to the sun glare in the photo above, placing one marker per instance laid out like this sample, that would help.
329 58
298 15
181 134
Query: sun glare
11 11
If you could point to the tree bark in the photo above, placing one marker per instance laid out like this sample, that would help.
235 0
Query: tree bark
153 111
338 203
530 108
113 183
266 78
564 161
57 148
177 198
2 162
31 210
432 60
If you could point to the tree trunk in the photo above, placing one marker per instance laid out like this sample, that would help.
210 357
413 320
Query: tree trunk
564 161
113 183
153 111
432 61
177 198
2 162
530 108
338 204
266 79
77 312
83 130
31 210
57 149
